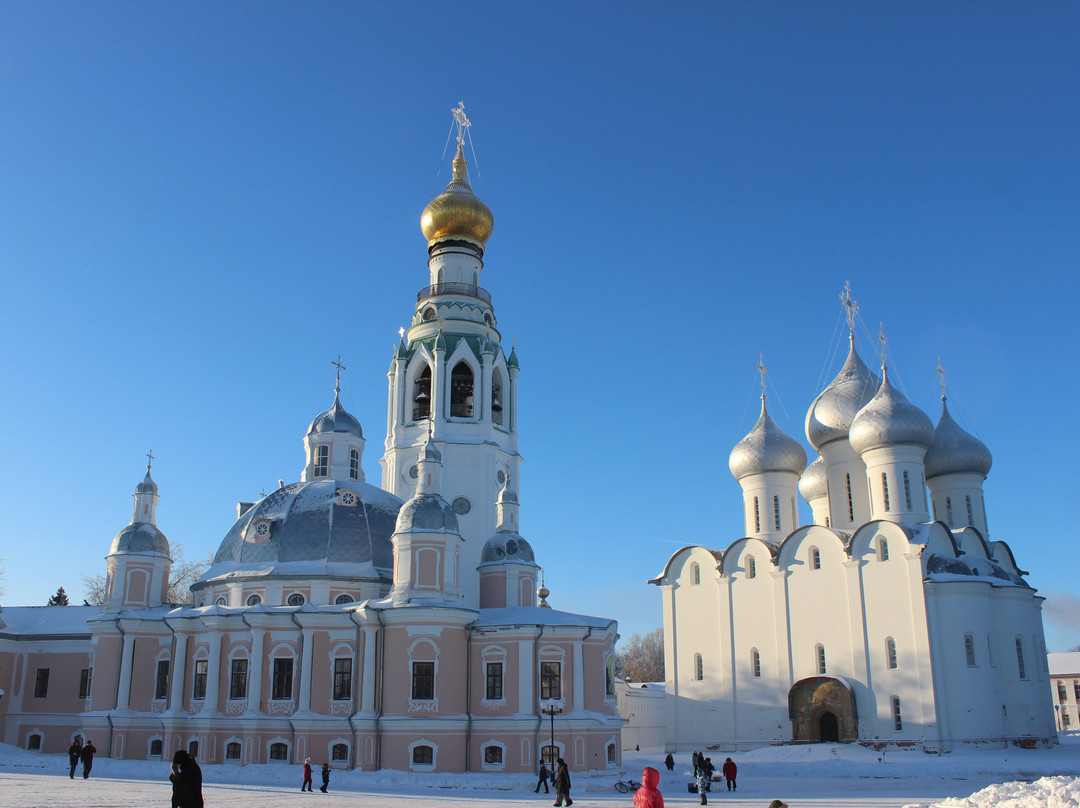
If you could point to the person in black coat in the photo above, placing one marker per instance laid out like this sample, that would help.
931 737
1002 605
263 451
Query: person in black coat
87 758
669 761
186 777
542 779
325 777
74 753
562 784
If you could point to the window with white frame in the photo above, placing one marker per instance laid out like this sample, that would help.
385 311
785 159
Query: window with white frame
354 464
699 668
907 490
819 653
885 491
322 461
279 751
883 550
969 650
232 750
339 751
493 755
238 677
890 654
1020 666
695 574
550 680
776 511
755 663
342 679
751 567
815 558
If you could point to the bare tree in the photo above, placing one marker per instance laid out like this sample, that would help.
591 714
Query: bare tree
183 574
641 659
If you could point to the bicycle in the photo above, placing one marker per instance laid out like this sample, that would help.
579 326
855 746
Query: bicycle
626 786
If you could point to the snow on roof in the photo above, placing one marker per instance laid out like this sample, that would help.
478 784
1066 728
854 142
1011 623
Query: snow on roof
537 615
46 621
1067 664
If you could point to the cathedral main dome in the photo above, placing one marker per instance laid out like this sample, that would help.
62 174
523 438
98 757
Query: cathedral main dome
321 523
832 412
457 212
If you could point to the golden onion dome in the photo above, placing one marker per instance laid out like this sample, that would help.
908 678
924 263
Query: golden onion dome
457 212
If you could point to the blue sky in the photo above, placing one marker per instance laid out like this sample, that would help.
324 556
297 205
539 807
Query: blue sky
203 204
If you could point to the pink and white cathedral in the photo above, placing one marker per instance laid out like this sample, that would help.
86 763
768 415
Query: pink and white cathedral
401 627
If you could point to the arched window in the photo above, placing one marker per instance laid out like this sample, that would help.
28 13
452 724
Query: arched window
850 501
755 663
907 489
232 750
279 751
354 464
1020 666
757 516
33 743
776 511
969 650
611 753
885 490
751 567
549 754
883 550
461 391
695 574
322 461
970 515
890 654
815 558
699 668
948 511
339 751
193 748
493 754
155 747
819 650
423 756
496 397
422 396
340 599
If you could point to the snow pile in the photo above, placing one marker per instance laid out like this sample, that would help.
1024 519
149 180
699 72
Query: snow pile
1049 792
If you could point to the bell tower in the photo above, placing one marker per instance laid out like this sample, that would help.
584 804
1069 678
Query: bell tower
450 377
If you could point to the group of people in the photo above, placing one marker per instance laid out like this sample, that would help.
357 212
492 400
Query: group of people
703 774
78 751
306 784
561 781
649 796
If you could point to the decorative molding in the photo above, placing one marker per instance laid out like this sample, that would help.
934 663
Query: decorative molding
235 707
424 706
340 708
282 708
158 706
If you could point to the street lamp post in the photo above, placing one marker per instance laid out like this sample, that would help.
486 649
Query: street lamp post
551 712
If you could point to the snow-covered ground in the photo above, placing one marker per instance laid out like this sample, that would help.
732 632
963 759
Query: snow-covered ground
818 776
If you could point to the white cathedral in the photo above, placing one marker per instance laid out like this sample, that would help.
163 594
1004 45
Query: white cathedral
878 623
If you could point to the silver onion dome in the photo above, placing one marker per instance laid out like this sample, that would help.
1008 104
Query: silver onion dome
140 537
829 417
889 419
955 451
335 419
506 546
427 512
813 483
766 448
147 486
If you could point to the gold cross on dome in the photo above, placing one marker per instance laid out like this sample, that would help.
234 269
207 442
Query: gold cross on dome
940 371
760 365
851 305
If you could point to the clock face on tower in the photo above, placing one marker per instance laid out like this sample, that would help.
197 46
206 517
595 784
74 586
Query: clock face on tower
461 506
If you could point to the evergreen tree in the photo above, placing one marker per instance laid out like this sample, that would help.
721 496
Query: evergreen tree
59 599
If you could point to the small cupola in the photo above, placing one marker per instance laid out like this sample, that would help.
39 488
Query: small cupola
334 442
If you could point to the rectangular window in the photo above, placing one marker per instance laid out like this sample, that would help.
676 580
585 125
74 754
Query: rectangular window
850 501
41 683
161 680
238 673
493 690
1065 720
1063 694
757 516
898 723
342 679
890 654
1021 669
776 511
907 490
1076 689
493 754
282 684
883 550
969 650
423 681
822 668
885 490
322 461
551 680
84 683
971 516
198 689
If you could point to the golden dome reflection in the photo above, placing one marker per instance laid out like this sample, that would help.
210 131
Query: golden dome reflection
457 212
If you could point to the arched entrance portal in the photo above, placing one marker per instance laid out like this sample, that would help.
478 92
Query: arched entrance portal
822 709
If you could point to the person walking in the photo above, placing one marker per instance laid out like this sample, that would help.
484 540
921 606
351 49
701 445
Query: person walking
306 785
702 785
325 777
730 770
74 752
709 768
186 779
669 761
87 758
562 784
543 774
649 796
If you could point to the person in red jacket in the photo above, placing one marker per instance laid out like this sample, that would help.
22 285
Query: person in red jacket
649 796
306 785
730 770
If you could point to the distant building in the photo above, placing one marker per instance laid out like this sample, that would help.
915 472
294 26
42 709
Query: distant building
394 627
1065 689
891 618
643 705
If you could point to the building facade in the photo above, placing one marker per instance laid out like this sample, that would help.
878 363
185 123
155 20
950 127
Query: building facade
401 626
891 619
1065 689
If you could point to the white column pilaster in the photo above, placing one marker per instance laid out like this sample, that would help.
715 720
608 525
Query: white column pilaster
179 662
579 676
213 674
123 689
304 705
368 673
255 670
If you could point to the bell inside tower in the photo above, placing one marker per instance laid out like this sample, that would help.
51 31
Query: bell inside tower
422 397
461 391
496 397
